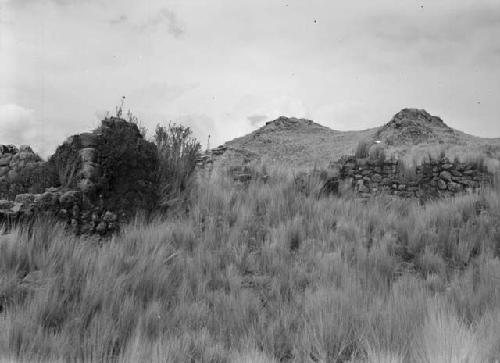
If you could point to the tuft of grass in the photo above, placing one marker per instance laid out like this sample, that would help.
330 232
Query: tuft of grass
363 149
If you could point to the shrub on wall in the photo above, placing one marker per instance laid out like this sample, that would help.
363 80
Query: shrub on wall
177 153
377 153
363 149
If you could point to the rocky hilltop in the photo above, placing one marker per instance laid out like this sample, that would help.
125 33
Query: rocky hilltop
416 126
302 143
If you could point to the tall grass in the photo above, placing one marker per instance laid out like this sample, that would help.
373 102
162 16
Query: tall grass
260 272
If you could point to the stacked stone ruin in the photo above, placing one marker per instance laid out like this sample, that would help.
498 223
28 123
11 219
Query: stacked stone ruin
13 162
85 197
437 178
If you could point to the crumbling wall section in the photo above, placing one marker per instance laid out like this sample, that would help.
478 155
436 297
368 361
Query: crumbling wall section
94 180
437 178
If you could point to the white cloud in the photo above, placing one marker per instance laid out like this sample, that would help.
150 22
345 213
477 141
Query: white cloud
19 126
223 61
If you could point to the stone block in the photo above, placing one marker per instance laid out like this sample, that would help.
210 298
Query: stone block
454 187
88 139
25 199
47 200
6 204
86 186
362 188
90 171
445 175
69 198
101 228
110 217
12 176
88 154
5 160
4 170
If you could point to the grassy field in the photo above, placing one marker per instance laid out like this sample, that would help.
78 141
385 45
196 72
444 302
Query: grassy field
261 273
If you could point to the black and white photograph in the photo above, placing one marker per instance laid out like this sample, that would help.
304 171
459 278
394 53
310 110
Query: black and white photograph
250 181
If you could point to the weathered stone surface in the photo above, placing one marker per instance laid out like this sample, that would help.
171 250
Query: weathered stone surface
445 175
6 204
454 187
4 170
101 228
5 160
110 217
47 200
12 175
88 155
363 188
88 139
437 178
69 198
86 186
442 184
90 171
25 199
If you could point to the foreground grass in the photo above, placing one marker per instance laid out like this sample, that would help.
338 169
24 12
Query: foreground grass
262 274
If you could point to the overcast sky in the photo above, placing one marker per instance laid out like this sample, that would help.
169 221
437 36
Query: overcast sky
225 67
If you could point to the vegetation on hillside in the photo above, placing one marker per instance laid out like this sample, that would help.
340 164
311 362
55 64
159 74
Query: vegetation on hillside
178 151
262 273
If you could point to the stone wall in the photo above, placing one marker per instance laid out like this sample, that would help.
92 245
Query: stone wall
15 163
439 178
99 179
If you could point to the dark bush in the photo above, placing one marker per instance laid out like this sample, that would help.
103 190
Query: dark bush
129 166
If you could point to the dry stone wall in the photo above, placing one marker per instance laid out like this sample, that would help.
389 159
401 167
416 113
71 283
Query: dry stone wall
439 178
99 179
14 164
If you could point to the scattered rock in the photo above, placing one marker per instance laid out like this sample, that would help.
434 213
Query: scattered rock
442 184
70 198
101 228
446 175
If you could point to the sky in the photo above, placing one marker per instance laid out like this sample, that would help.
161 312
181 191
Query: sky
225 67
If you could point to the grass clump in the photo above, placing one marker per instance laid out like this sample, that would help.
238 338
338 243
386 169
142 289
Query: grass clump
363 149
177 152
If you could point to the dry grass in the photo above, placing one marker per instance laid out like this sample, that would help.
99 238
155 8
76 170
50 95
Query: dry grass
262 273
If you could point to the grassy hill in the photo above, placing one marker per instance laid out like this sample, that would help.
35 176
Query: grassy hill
301 143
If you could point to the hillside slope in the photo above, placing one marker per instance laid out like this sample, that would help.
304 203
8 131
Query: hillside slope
302 143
